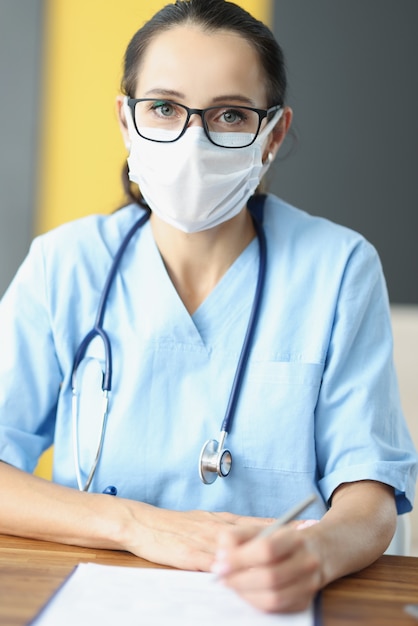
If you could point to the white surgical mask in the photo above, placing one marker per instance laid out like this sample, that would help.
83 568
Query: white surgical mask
191 183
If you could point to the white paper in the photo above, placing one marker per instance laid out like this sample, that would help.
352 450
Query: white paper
127 596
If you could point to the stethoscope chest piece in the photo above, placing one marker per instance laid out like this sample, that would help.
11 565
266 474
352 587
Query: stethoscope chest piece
214 460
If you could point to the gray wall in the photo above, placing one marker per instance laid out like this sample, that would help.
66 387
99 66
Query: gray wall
20 48
353 67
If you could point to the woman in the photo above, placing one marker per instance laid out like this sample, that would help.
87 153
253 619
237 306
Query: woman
203 115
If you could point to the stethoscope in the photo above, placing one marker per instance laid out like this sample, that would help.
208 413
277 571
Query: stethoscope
214 460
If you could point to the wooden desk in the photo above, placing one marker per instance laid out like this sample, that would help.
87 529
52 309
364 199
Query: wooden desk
30 571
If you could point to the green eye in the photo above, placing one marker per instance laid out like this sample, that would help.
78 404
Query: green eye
231 116
164 108
158 103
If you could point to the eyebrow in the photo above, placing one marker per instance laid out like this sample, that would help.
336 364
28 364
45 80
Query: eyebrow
236 98
172 93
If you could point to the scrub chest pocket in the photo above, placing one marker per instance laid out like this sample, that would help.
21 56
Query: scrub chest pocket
276 416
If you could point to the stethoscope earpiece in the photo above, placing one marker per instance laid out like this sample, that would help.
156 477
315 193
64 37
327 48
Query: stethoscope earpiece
214 460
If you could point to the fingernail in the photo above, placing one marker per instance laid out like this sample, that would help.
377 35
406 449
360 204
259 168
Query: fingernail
221 555
220 568
307 523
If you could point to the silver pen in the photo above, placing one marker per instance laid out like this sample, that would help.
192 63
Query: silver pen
288 517
412 609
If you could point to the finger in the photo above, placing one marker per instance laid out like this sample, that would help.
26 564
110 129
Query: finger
258 522
297 566
228 541
289 585
244 520
242 549
297 597
246 529
231 538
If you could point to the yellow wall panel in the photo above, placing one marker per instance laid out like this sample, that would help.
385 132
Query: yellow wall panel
261 9
81 150
44 467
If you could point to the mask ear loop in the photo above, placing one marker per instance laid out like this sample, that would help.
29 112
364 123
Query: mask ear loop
262 136
129 123
270 125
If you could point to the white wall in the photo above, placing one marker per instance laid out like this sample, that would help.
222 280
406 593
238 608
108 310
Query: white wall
405 332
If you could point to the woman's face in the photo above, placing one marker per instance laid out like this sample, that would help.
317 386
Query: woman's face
201 69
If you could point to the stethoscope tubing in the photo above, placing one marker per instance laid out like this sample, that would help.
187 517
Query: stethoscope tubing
98 329
214 459
249 335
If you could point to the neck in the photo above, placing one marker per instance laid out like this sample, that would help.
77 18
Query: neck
196 262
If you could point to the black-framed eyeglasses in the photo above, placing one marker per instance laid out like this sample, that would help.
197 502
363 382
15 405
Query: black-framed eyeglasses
226 126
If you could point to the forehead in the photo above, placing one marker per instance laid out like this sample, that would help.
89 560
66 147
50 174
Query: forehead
202 64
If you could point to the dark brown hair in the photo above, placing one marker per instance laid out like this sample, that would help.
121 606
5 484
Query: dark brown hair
210 15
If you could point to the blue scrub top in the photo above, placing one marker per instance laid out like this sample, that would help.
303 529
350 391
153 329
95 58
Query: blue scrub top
319 404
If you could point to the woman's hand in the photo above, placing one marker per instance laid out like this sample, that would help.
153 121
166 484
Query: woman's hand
280 573
37 508
284 571
186 540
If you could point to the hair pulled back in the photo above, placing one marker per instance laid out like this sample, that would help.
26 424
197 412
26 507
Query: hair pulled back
210 15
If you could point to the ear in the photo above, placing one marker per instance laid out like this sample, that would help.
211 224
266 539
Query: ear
277 135
122 121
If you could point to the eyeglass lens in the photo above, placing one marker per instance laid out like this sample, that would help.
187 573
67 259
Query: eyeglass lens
227 126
